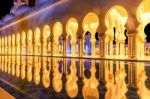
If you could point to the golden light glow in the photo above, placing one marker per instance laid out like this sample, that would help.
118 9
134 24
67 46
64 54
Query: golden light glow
143 16
90 24
71 29
26 54
116 18
57 31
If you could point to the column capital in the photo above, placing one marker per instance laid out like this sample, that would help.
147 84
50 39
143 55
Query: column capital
102 35
132 32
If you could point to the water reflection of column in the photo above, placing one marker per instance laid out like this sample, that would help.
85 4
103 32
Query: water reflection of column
81 68
90 85
46 72
17 66
23 67
143 91
65 66
131 74
37 69
57 76
29 67
108 69
116 88
71 84
101 71
121 87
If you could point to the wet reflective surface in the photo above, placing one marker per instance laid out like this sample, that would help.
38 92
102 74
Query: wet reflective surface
38 77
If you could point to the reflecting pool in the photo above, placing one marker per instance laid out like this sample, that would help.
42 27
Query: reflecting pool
37 77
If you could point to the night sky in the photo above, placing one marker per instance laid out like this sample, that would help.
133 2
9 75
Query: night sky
5 6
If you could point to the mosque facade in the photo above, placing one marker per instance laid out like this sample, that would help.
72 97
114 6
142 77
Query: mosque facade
115 23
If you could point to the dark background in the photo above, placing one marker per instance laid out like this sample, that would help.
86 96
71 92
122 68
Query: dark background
5 6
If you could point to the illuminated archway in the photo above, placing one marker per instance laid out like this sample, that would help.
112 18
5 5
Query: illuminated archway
115 21
37 41
71 29
23 43
90 24
30 42
46 46
143 16
57 31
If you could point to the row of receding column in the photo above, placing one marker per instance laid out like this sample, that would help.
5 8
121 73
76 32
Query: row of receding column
44 42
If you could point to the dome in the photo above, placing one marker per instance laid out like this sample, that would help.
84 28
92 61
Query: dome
1 22
13 10
8 17
22 9
38 2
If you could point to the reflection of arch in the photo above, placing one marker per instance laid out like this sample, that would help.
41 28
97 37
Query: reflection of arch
115 21
91 23
143 16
